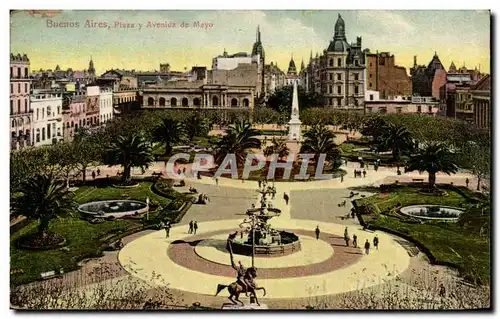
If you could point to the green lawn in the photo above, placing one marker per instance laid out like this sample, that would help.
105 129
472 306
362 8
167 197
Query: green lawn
449 243
82 238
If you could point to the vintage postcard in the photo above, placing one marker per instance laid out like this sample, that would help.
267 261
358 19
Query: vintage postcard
250 160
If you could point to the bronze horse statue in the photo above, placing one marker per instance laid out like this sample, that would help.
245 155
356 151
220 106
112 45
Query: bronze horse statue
245 282
235 288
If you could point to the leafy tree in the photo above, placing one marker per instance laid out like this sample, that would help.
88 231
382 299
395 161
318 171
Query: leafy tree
170 132
42 198
65 156
475 154
320 140
129 151
196 126
374 127
239 138
281 99
278 147
433 158
395 138
88 149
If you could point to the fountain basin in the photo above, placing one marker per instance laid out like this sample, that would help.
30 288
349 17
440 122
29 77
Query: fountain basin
289 243
432 212
115 208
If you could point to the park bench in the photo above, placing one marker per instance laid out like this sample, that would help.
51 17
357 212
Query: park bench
48 274
418 180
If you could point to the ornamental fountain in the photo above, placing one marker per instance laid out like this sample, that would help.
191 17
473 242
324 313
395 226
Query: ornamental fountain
257 236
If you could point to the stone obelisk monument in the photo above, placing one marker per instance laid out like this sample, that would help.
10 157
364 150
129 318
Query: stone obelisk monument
294 126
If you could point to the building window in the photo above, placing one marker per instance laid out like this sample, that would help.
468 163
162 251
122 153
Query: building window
356 76
215 101
37 114
330 76
196 102
371 75
370 66
234 102
162 101
11 107
246 103
13 123
11 88
370 85
339 76
371 97
330 62
58 110
26 72
339 89
356 89
18 106
37 135
173 101
151 101
356 62
19 87
185 101
43 133
26 87
11 73
25 105
381 62
48 131
339 101
339 62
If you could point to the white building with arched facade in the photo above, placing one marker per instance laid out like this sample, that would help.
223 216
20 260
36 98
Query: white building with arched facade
195 94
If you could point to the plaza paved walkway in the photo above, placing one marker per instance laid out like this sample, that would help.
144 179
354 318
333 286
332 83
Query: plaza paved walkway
149 254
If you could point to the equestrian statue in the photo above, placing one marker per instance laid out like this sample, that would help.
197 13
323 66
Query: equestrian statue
245 280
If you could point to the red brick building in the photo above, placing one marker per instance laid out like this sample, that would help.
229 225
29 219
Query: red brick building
386 77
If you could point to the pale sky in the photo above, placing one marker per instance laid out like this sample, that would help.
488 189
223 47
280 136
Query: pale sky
459 36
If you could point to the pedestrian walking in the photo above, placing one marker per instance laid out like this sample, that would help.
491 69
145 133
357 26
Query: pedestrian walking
364 173
375 242
346 234
98 172
93 175
190 227
367 247
195 227
345 162
355 241
260 184
286 198
317 232
442 291
467 182
217 181
347 239
355 173
341 178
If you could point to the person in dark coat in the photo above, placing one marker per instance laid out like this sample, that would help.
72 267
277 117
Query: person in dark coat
317 231
93 175
375 242
341 178
98 172
195 227
286 198
467 182
355 241
190 227
167 229
367 247
364 173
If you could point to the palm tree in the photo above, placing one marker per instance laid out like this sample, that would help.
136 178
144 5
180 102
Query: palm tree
278 147
196 126
397 139
432 159
42 198
239 138
320 140
170 132
129 151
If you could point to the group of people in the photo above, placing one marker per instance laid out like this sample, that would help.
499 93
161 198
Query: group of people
193 227
94 173
347 239
358 172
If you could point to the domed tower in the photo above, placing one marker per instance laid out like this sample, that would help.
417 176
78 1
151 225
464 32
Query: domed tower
339 43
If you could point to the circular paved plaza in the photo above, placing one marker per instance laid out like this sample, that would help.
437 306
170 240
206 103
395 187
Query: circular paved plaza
197 263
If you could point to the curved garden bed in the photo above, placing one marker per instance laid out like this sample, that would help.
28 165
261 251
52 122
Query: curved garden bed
36 242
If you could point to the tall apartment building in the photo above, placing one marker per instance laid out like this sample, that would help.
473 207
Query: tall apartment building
20 115
384 76
47 126
339 73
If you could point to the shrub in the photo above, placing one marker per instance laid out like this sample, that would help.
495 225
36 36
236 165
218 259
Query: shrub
97 220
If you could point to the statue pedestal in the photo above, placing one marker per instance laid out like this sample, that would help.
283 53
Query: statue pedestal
252 306
294 130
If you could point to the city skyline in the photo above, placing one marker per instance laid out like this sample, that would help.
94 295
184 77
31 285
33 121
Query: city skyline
284 33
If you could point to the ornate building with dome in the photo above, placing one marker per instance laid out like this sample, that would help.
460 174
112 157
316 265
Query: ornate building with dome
339 72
